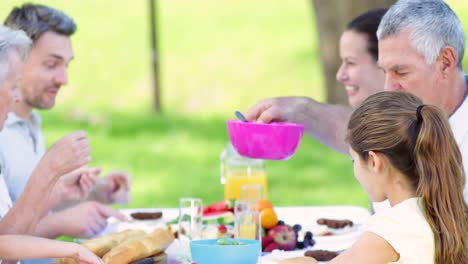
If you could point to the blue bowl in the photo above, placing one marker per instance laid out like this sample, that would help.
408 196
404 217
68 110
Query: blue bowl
209 252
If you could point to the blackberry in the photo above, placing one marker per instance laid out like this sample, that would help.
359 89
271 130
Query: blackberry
300 245
297 228
312 242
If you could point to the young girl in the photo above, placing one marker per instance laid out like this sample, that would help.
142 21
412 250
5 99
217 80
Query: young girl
405 152
28 247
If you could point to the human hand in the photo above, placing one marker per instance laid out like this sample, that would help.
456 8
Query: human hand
279 109
86 219
84 256
67 154
76 185
113 188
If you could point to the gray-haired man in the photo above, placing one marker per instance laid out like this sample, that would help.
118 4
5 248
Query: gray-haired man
421 46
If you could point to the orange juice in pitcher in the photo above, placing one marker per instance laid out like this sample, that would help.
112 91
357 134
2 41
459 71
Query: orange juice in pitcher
237 171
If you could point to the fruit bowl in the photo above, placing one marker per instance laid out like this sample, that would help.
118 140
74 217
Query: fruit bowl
210 252
273 141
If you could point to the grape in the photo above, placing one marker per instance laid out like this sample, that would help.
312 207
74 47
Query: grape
297 228
312 242
300 245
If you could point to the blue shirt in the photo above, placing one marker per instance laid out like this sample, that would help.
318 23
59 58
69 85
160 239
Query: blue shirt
21 148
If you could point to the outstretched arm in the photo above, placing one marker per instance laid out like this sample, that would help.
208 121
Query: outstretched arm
325 122
28 247
84 220
68 154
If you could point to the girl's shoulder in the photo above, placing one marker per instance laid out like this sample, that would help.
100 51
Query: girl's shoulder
406 229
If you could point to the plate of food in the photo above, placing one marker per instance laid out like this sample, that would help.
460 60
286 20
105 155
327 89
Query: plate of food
147 219
320 232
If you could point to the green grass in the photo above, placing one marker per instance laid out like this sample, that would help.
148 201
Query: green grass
215 57
172 156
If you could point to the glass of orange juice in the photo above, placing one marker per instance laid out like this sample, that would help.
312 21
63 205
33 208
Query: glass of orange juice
247 224
237 171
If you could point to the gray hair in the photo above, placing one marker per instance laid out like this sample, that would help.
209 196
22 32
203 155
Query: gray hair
35 20
12 41
432 23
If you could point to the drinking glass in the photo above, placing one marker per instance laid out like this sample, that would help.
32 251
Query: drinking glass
190 217
247 222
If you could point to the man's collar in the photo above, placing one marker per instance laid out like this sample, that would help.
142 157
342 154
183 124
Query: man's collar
13 119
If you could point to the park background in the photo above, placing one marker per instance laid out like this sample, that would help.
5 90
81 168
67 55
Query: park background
215 57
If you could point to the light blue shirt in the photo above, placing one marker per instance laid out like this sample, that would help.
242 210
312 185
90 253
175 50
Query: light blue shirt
21 148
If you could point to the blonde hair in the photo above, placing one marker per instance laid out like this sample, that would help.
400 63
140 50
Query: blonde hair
421 146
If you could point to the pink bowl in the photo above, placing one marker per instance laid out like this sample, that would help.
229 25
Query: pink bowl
274 141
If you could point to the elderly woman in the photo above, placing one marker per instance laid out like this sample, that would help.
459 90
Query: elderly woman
68 154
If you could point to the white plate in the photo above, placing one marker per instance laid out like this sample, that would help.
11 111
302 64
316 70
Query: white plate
114 225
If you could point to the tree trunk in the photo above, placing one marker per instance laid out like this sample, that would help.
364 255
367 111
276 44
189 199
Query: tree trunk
331 17
154 57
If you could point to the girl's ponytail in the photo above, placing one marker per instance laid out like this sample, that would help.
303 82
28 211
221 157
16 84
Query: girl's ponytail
441 181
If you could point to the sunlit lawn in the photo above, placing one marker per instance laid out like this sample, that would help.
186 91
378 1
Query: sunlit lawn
215 57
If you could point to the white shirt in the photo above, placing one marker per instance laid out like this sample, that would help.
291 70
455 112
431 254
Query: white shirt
21 148
459 123
406 229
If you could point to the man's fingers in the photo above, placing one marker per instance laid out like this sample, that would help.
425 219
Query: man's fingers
108 212
79 135
266 117
121 179
257 110
253 113
87 183
95 170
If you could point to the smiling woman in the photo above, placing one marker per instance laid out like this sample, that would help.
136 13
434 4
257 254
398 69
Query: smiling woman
359 71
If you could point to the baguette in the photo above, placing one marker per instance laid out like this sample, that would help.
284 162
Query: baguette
139 248
158 259
101 245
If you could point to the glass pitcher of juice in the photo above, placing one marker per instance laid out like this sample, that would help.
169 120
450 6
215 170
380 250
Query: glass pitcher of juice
237 171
